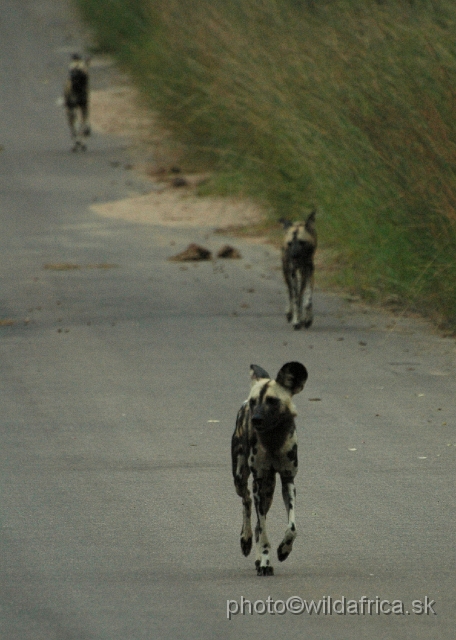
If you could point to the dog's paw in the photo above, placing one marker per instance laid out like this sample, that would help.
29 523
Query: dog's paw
282 555
284 549
246 545
78 146
265 571
308 317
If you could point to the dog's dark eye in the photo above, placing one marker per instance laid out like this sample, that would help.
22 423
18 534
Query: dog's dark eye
272 401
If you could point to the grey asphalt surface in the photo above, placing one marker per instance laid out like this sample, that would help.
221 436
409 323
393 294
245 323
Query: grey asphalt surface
119 390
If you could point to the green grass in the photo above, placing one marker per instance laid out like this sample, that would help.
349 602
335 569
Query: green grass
346 105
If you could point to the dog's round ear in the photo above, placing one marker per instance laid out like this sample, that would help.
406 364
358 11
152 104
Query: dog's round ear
257 373
292 376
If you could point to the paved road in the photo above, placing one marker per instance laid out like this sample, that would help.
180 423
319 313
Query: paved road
119 390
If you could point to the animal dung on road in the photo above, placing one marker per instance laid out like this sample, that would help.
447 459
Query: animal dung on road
227 251
192 252
196 252
179 182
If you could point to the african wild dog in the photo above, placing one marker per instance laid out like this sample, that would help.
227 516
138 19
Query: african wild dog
76 97
264 443
298 268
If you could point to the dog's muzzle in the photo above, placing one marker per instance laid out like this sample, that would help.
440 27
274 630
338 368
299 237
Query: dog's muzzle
258 422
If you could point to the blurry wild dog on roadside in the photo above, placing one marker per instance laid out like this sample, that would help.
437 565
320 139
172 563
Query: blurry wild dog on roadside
298 251
264 443
76 98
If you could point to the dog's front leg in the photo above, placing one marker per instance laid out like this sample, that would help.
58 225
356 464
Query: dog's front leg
246 533
71 117
289 498
263 490
85 125
80 144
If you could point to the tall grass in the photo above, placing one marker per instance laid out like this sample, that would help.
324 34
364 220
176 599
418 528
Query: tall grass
345 105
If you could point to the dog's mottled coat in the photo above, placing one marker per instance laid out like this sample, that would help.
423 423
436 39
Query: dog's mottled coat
298 251
264 443
76 99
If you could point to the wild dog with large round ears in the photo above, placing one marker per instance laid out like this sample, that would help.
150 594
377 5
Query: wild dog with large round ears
76 98
298 251
264 443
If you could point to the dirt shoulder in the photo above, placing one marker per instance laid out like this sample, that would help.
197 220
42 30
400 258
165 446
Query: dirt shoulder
172 200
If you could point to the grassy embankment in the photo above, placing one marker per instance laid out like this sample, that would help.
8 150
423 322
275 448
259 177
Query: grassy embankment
346 105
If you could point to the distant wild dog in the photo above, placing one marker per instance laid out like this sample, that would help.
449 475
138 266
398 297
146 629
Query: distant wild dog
264 443
298 252
76 97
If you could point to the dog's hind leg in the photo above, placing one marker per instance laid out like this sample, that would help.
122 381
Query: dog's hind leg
307 298
85 125
289 283
75 128
296 300
289 498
